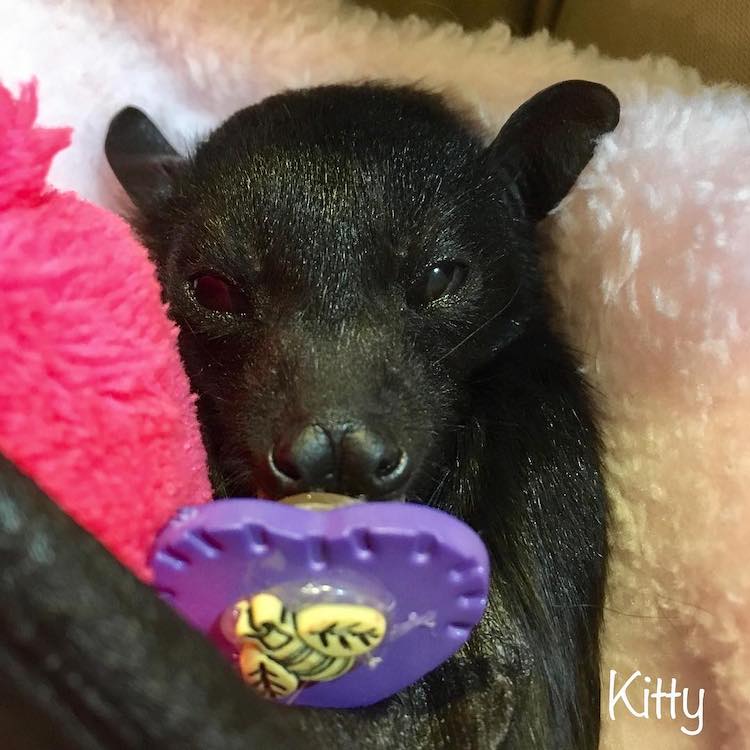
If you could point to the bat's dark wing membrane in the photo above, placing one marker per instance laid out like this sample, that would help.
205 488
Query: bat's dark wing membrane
91 659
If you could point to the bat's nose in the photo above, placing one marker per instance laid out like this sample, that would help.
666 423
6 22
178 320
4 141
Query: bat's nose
348 458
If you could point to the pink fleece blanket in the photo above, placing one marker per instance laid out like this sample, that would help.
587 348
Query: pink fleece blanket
651 268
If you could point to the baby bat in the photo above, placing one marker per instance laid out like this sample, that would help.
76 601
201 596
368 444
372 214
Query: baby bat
358 287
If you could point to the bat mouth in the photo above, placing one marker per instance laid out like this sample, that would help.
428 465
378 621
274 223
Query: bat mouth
312 497
248 478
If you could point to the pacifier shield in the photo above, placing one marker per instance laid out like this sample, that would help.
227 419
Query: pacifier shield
336 608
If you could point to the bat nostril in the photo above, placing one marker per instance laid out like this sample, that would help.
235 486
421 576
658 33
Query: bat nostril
373 463
389 463
305 459
282 462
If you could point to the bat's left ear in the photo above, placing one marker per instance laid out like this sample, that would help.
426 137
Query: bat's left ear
546 143
142 159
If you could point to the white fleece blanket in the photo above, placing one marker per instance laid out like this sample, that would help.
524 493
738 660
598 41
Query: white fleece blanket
651 265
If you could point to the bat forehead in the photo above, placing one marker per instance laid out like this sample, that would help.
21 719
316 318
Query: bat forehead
344 146
325 209
333 190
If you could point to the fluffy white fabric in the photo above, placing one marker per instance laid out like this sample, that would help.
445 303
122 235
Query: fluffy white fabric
651 267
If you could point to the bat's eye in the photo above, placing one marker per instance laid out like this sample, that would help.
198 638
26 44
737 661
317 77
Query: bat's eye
439 281
216 293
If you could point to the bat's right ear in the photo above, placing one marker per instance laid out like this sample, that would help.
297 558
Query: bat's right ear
546 142
142 159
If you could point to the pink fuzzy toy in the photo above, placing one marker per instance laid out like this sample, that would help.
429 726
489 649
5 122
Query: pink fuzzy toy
94 403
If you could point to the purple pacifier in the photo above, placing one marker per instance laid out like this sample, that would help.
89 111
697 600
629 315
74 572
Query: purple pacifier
322 600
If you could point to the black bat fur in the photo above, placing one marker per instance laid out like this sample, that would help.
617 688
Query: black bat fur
358 257
91 659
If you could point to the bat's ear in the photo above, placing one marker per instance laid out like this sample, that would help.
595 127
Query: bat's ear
142 159
548 140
